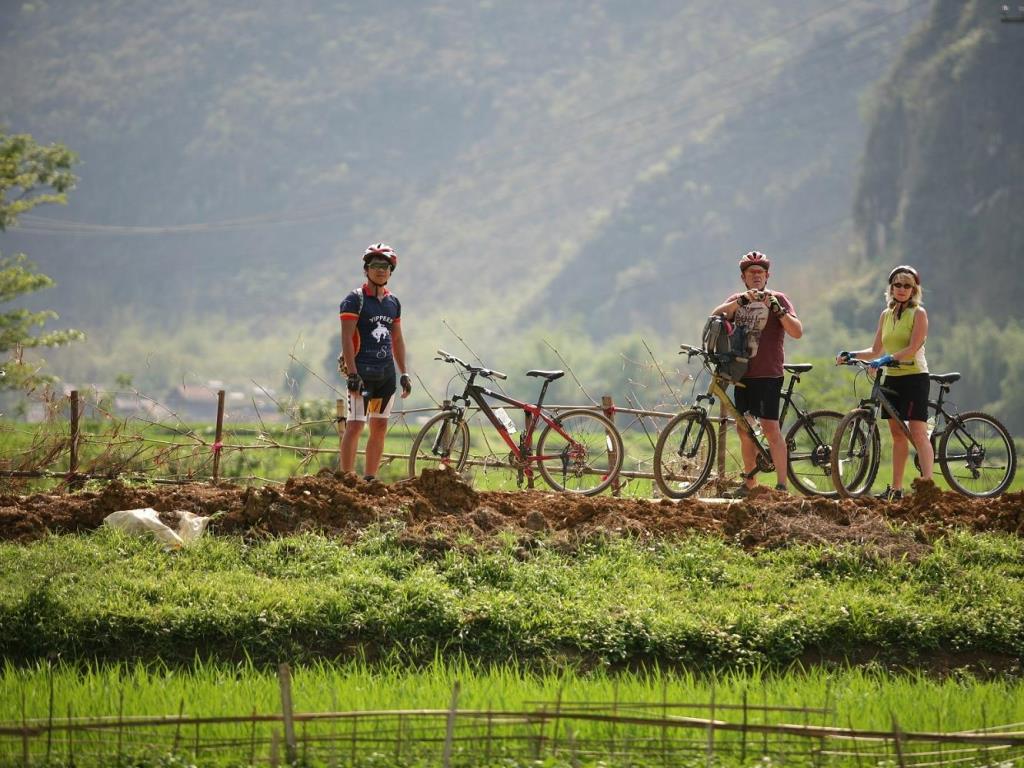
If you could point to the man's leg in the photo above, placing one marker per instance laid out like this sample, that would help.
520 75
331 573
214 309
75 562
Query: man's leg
375 445
776 447
350 444
749 451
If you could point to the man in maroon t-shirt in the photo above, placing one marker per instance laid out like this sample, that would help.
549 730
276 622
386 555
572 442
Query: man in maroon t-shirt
767 317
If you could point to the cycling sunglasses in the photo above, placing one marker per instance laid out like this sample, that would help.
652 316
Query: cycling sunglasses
379 265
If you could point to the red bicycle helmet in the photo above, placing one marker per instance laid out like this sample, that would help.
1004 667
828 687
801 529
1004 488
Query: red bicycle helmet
905 268
754 259
381 249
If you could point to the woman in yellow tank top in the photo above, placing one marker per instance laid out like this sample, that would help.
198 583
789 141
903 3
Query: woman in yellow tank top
902 330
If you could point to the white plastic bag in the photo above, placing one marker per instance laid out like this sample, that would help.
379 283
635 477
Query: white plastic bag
141 521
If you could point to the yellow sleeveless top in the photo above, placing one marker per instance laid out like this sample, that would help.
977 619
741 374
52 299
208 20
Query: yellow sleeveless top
896 336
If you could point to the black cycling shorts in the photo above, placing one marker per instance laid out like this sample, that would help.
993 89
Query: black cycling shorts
909 394
759 397
375 401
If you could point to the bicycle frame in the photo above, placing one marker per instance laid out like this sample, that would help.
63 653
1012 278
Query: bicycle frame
717 390
877 402
523 452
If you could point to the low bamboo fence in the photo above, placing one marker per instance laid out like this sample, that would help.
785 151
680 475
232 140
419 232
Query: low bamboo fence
549 733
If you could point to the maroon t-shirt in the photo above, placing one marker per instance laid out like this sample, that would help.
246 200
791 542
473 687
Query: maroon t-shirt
765 336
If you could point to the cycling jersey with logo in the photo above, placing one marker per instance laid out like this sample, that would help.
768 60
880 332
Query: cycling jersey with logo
372 338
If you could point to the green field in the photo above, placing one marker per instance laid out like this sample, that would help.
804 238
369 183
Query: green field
698 601
852 698
104 625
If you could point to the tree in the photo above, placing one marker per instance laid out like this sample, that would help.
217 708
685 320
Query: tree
30 175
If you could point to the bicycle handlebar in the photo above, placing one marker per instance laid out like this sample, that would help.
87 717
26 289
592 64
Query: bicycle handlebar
485 372
867 363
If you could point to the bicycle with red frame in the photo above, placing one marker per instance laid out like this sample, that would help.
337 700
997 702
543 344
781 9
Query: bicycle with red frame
579 450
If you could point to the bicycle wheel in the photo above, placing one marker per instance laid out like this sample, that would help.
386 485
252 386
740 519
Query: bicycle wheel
588 461
684 455
856 452
443 442
809 448
977 455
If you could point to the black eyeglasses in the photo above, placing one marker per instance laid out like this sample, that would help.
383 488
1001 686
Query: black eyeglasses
379 265
905 286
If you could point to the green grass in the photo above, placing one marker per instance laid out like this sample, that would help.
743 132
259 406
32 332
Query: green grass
863 698
854 698
697 602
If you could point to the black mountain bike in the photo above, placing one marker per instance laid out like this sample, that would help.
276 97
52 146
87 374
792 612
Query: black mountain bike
579 451
686 447
974 451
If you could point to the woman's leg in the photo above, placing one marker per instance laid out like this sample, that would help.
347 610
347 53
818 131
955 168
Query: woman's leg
900 450
925 453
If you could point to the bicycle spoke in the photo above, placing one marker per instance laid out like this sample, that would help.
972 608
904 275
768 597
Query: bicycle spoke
684 455
809 445
977 455
856 451
585 459
442 442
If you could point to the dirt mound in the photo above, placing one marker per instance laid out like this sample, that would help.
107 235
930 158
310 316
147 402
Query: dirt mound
438 510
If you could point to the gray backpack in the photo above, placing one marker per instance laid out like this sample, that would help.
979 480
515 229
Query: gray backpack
725 344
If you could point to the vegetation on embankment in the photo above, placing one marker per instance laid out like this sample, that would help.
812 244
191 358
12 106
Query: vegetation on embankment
693 602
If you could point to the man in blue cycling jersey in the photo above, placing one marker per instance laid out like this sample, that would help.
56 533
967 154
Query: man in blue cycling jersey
371 347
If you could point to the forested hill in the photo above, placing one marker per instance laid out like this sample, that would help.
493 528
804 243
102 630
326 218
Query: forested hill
942 185
551 157
773 169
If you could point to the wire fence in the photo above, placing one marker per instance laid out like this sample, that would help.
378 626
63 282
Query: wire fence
561 732
200 434
83 436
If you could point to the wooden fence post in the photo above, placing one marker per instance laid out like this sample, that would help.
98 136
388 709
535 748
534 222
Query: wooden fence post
449 735
216 440
284 675
75 436
897 742
608 407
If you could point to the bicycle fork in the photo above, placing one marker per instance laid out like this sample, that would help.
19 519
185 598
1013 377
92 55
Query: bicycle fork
701 425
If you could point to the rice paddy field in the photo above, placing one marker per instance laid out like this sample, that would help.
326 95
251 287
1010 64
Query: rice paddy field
621 639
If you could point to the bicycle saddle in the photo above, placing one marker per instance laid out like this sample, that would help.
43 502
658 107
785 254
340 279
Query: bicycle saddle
549 375
944 378
797 367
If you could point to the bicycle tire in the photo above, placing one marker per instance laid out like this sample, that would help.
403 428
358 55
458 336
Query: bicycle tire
977 455
593 453
443 441
684 455
809 452
856 454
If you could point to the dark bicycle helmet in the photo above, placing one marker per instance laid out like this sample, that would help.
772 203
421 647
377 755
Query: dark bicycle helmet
381 249
754 259
905 268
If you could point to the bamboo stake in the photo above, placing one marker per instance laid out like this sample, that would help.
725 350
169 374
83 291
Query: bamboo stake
449 735
609 410
217 444
75 436
284 676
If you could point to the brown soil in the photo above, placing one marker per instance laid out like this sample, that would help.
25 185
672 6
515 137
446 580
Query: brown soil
438 511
